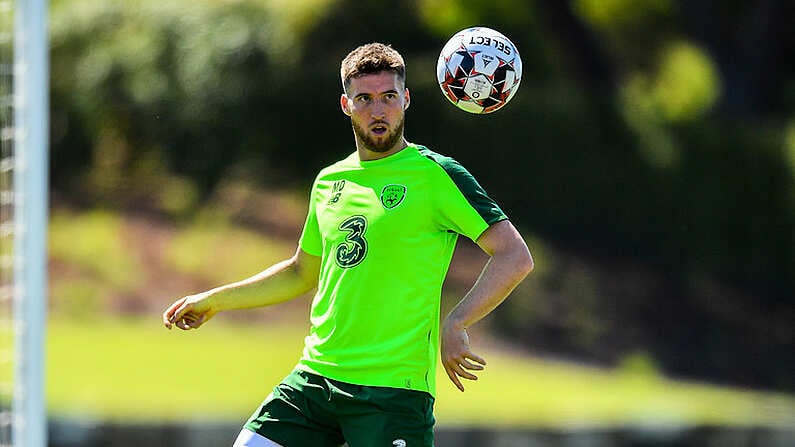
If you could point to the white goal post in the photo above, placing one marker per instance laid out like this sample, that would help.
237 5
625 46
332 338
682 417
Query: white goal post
29 194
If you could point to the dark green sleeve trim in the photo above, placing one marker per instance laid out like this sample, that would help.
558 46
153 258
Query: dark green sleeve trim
469 187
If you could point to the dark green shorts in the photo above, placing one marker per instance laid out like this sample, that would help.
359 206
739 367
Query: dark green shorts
310 410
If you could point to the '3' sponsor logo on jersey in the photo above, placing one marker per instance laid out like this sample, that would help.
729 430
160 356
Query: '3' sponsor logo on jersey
399 443
353 249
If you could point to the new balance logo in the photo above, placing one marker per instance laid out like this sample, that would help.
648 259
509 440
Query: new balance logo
399 443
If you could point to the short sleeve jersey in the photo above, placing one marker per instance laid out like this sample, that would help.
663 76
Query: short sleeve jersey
386 230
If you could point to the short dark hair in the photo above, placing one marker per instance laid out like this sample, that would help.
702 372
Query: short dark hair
371 58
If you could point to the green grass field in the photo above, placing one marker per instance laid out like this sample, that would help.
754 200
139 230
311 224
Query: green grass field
135 370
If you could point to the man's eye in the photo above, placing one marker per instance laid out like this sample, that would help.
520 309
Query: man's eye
363 99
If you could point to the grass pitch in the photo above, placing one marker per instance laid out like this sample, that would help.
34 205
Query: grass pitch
137 371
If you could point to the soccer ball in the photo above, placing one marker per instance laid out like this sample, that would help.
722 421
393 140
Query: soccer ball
479 70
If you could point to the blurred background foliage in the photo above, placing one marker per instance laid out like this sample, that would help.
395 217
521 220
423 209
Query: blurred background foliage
648 156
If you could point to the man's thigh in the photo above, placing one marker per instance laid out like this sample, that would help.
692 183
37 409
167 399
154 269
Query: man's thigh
291 419
389 417
248 438
385 430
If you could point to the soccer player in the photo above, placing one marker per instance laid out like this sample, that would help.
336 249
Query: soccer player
377 243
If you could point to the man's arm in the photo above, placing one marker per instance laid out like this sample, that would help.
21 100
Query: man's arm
280 282
510 262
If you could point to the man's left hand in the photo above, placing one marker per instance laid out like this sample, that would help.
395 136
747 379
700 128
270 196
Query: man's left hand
457 357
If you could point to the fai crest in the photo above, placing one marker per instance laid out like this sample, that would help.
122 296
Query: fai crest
392 195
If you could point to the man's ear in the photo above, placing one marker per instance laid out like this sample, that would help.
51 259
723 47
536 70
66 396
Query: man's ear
408 99
345 104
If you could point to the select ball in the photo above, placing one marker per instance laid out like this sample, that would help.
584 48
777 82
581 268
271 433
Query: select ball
479 70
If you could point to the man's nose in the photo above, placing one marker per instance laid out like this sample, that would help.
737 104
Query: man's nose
378 110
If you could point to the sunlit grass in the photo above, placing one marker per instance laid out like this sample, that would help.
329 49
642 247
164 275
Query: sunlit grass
219 252
522 391
93 242
136 370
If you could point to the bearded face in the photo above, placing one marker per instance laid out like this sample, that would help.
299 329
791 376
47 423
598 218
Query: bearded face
379 136
376 104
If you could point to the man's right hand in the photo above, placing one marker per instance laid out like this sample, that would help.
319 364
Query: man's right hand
189 312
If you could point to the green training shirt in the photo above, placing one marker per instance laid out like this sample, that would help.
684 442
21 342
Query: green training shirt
386 230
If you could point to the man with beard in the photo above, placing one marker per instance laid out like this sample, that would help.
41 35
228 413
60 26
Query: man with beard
377 242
